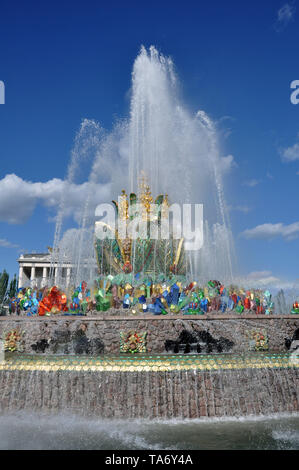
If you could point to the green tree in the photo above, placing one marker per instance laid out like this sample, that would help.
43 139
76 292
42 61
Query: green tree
12 288
4 277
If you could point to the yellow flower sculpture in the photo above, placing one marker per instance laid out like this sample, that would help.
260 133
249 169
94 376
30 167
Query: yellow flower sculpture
132 342
12 340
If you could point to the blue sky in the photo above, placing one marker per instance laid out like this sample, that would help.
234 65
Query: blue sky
62 62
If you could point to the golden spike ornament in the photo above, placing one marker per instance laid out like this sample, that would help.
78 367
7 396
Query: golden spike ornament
123 206
145 197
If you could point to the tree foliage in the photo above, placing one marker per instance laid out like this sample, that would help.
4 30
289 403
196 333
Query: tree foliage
12 288
4 277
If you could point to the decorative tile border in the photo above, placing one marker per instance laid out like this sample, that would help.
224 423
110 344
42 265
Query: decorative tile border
148 363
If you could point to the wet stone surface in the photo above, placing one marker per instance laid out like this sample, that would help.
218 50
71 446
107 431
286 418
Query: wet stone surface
150 386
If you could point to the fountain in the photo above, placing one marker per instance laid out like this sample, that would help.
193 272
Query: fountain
176 150
125 362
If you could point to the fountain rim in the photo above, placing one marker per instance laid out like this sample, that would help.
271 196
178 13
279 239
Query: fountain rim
151 317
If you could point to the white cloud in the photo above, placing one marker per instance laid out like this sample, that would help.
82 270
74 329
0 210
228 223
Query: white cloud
7 244
267 280
284 16
270 231
18 198
290 154
227 163
251 183
259 274
261 278
264 280
244 209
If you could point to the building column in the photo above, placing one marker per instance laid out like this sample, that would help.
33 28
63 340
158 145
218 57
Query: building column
45 276
68 276
55 275
32 276
21 273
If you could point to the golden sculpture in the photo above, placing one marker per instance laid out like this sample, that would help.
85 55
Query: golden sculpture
147 254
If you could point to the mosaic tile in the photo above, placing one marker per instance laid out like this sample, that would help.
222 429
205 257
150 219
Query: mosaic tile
147 363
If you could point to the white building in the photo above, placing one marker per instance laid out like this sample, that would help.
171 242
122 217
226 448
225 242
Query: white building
34 270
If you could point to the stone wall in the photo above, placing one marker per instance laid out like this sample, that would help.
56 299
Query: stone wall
181 394
101 334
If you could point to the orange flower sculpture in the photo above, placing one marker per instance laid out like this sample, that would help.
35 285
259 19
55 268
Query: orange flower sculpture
55 301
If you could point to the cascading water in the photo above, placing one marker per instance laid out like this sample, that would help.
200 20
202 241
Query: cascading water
177 151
